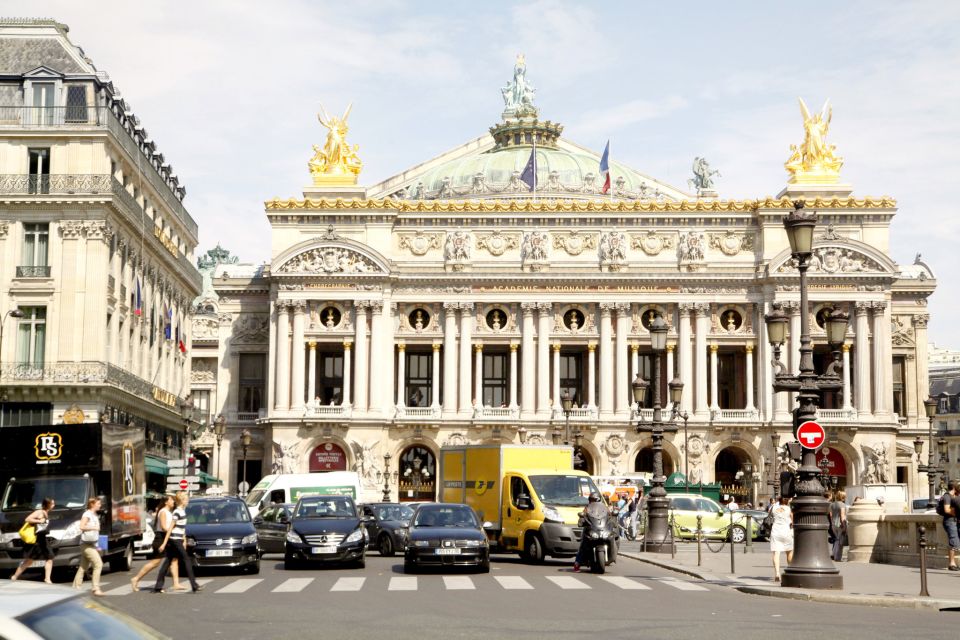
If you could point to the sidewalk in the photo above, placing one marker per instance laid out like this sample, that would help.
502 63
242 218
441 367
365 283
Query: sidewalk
881 585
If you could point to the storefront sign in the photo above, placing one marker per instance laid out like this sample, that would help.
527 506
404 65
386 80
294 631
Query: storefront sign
590 288
327 457
164 397
831 462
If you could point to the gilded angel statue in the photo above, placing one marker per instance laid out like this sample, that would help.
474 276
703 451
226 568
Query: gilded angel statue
814 157
336 157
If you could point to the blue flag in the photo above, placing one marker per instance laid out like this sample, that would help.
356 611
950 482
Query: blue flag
529 175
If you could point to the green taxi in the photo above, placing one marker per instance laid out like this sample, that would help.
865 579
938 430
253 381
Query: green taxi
715 523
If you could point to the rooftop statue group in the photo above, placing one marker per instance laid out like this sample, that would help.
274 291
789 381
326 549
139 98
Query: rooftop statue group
814 159
336 157
518 95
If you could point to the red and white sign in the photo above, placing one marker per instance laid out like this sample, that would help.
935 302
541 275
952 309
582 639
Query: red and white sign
811 435
327 457
184 484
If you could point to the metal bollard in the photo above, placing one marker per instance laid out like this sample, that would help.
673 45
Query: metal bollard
699 538
733 569
922 531
748 543
673 542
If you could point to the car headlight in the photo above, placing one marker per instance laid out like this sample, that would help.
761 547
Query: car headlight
250 539
421 543
550 514
356 536
294 537
473 543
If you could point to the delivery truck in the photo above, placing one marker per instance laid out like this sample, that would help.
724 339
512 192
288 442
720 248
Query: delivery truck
531 495
72 463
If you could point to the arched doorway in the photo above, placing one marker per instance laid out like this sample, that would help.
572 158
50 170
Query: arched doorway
833 465
727 470
418 473
583 461
644 462
327 456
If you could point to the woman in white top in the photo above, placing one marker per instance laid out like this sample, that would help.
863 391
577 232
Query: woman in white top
173 546
89 554
161 524
781 534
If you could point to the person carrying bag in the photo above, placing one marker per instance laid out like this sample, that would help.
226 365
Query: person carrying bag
33 533
89 553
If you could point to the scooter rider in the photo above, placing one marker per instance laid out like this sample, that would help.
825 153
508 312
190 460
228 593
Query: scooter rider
594 509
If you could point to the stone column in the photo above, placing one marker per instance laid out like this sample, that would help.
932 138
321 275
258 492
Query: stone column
702 328
686 357
381 353
714 401
634 360
435 373
847 406
478 373
622 387
544 318
466 332
556 375
312 371
528 387
283 355
592 375
297 385
861 360
920 321
764 368
882 360
606 358
347 373
360 339
450 358
513 375
401 374
749 359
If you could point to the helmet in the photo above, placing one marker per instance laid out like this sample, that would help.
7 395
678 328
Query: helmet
595 497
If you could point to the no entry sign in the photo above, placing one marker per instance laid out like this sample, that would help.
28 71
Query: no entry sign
184 484
811 435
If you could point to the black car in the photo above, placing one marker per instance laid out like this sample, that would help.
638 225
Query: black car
220 533
388 527
325 529
446 535
271 525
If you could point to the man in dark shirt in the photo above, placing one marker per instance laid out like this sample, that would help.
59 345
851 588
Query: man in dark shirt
595 509
951 508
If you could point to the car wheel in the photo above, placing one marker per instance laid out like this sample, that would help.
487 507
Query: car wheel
533 551
254 568
738 535
125 561
386 545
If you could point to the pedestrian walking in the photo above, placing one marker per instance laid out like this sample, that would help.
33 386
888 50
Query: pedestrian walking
838 525
173 546
163 521
39 549
781 535
948 506
89 553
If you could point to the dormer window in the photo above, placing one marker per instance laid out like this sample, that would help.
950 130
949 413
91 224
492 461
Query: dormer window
44 100
76 104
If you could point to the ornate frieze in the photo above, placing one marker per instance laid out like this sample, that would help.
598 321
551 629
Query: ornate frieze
203 370
613 251
71 229
690 250
901 334
330 260
497 243
420 243
253 328
4 228
535 250
204 327
836 260
731 243
456 250
574 242
651 243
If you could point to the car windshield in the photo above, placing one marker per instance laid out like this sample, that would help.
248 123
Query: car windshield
563 491
217 512
78 619
394 512
326 507
455 516
253 498
68 493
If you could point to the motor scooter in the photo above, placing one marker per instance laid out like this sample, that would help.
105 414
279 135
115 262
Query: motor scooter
601 542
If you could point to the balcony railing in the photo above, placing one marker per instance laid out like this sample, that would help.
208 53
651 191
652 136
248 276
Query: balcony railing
408 413
495 413
328 411
734 415
42 271
837 415
56 184
578 413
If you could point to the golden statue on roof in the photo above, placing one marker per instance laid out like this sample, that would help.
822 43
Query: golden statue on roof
336 162
815 161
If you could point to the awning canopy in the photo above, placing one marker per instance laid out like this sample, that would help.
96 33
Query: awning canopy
155 465
206 478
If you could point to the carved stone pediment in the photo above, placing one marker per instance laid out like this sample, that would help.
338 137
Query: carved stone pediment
329 260
731 243
651 243
420 243
497 243
835 259
574 242
251 328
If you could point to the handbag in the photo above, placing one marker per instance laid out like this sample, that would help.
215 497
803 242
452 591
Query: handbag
90 536
28 534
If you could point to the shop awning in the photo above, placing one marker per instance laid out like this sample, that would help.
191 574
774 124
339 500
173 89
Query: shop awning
206 478
155 465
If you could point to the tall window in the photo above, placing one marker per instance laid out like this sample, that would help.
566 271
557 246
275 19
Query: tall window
899 386
39 167
571 377
330 378
731 378
76 103
35 240
419 382
645 369
496 379
201 400
44 95
253 376
31 336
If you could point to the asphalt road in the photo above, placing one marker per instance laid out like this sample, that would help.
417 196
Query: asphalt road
515 600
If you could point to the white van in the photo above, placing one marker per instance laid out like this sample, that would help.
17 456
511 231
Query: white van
288 487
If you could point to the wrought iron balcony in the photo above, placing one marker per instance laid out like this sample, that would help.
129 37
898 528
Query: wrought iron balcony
42 271
58 184
29 117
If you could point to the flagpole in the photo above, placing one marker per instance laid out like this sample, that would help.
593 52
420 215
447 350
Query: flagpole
534 166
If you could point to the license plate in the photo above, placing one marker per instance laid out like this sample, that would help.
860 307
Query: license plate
448 552
324 550
219 553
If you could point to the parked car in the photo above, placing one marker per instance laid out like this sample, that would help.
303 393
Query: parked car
271 525
325 529
220 533
715 520
36 611
757 516
446 535
144 546
388 527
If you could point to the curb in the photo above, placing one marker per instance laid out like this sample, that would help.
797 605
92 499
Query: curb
666 565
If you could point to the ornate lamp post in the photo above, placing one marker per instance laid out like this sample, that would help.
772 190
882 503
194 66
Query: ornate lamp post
566 402
812 567
416 473
219 430
774 480
385 476
676 394
932 468
522 433
657 503
245 440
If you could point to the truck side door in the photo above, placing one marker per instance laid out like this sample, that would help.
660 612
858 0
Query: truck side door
517 509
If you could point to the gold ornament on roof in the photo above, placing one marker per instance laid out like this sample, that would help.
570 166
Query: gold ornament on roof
815 161
336 162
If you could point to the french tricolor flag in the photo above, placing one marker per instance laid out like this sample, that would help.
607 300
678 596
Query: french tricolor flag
138 310
605 168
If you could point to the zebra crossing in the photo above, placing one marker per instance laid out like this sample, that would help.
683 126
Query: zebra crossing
581 582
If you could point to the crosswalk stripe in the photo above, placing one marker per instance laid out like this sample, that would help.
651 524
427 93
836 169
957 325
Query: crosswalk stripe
240 586
624 583
293 585
681 585
568 582
458 583
348 584
402 584
513 582
119 591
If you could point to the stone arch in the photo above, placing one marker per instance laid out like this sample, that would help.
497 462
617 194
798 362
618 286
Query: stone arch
417 481
727 459
873 261
374 262
348 459
670 453
591 457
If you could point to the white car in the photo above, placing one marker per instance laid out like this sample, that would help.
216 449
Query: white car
144 545
37 611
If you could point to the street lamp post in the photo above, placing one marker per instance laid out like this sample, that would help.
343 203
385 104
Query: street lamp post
676 393
775 466
245 440
219 430
566 403
386 476
932 468
12 313
812 567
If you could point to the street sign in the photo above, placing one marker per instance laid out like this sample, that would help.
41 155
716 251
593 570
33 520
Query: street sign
179 473
176 463
193 486
184 484
811 435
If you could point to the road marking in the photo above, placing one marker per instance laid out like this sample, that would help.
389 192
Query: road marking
513 582
293 585
348 584
681 585
458 583
402 584
567 582
240 586
119 591
624 583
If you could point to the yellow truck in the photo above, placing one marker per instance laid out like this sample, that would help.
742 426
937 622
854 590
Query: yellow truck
531 495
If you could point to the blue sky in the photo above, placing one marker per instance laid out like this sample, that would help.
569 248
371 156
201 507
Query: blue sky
230 89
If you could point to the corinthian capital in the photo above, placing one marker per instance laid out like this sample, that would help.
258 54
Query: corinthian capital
544 307
299 306
528 308
376 306
623 308
685 308
702 308
879 306
466 308
607 307
861 308
920 320
451 306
